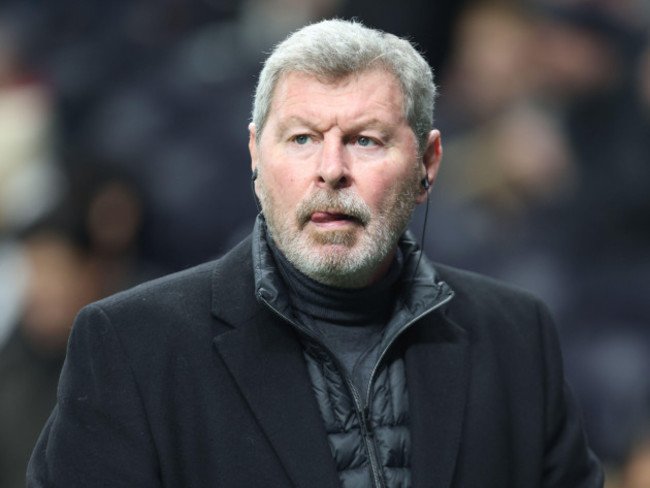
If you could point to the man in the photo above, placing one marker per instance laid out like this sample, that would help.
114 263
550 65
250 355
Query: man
324 350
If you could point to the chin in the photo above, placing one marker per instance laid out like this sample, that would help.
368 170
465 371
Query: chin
346 238
337 264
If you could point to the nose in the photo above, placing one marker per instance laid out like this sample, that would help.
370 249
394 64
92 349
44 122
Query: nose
333 170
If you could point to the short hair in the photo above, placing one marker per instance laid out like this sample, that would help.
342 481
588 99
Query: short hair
334 49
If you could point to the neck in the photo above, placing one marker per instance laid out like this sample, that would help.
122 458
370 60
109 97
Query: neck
382 269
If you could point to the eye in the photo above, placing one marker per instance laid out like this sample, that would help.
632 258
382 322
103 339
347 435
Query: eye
302 139
364 141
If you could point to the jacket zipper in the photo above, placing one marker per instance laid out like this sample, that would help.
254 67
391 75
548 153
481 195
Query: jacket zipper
365 413
408 324
371 447
362 411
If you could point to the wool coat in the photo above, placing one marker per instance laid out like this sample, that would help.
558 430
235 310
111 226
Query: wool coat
190 381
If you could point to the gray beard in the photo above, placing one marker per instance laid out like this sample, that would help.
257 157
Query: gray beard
356 264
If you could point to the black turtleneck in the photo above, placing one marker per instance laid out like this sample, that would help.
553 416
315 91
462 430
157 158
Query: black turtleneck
350 322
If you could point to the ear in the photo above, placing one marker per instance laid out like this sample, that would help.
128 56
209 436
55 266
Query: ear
252 145
252 149
431 162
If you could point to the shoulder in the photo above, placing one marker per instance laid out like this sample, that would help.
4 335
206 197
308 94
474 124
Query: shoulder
173 306
481 290
179 289
179 292
490 308
504 324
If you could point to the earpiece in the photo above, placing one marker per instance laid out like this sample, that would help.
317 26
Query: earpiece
254 175
426 185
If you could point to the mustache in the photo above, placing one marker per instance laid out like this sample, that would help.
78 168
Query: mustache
340 202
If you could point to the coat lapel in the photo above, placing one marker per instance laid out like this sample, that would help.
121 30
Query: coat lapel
437 378
265 359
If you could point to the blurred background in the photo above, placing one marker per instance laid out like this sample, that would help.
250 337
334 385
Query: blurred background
123 156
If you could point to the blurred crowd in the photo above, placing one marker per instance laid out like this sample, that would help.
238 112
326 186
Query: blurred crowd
123 156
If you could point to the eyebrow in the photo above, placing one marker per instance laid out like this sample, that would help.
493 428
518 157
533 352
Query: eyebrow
284 125
372 123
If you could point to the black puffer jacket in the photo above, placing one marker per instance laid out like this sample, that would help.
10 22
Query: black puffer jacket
360 436
368 431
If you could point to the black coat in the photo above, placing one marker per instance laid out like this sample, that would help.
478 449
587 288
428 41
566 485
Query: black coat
189 381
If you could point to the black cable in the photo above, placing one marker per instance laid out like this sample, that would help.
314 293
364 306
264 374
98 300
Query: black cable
424 228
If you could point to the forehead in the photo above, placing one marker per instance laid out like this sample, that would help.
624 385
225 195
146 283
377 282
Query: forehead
367 90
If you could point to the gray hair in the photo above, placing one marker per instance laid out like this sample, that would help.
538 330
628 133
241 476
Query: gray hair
334 49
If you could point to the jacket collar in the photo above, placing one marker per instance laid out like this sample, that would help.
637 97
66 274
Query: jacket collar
437 370
266 362
420 289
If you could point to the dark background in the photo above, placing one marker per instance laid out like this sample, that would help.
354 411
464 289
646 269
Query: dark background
123 156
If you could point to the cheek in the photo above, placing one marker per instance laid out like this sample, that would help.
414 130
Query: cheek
378 191
384 192
282 187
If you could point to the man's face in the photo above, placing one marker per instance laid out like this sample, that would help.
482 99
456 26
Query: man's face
339 174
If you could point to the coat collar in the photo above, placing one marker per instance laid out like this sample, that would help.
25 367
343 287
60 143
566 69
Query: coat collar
437 369
266 361
265 358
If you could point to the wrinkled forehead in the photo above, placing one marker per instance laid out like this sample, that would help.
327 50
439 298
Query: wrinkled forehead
331 80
